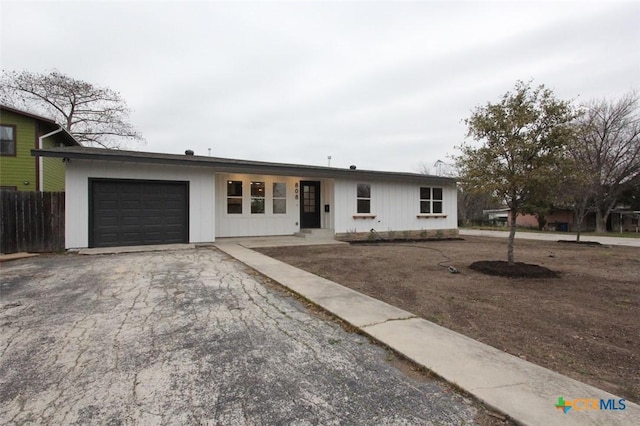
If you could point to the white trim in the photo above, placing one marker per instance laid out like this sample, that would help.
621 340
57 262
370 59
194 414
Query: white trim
40 158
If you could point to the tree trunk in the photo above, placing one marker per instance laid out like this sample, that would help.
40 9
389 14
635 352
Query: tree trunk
579 215
602 214
601 221
512 234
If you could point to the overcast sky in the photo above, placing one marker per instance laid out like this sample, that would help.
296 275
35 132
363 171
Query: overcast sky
382 85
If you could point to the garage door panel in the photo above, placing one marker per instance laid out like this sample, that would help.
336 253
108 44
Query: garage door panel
172 220
173 205
132 212
154 220
131 204
128 189
108 204
132 220
156 204
106 221
110 237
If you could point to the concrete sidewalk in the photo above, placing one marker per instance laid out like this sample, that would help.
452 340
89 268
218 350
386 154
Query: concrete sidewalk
524 391
612 240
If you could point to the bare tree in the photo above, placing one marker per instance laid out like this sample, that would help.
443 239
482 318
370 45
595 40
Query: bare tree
424 169
95 116
471 206
439 168
578 187
608 149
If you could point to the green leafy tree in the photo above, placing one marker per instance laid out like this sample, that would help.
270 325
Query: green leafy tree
522 141
95 116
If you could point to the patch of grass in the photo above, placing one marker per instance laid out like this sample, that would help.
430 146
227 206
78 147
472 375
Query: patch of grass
436 318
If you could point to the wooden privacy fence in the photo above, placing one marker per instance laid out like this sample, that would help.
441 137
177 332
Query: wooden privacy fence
31 221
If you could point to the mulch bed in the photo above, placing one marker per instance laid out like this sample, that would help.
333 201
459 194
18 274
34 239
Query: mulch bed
501 268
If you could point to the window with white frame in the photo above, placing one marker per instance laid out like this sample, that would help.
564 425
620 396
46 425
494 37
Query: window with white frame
234 197
279 198
363 198
257 197
430 200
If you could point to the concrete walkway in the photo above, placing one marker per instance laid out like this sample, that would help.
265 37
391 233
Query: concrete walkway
522 390
612 240
278 241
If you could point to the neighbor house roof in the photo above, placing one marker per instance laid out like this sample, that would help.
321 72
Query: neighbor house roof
67 137
228 165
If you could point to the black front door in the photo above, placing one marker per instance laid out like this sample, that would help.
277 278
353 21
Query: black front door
310 204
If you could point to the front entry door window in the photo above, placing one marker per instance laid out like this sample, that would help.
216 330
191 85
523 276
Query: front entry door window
310 204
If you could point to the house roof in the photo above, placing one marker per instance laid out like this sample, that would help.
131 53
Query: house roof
27 114
229 165
68 138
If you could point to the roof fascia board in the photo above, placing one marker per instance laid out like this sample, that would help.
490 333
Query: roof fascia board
240 166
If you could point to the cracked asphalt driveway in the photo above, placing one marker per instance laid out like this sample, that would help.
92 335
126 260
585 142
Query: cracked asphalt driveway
189 337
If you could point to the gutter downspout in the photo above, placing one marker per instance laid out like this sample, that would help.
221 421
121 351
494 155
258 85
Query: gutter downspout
40 160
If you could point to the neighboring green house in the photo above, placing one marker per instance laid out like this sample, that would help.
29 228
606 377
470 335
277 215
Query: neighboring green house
20 132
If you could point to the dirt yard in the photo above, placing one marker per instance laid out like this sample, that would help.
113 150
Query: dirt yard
584 324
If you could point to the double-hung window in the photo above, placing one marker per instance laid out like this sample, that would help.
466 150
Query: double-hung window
279 198
257 197
430 200
7 140
364 198
234 197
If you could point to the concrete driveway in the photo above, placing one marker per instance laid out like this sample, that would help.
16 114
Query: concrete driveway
189 337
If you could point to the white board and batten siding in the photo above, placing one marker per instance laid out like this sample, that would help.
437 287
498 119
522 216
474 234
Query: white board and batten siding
78 172
395 205
247 224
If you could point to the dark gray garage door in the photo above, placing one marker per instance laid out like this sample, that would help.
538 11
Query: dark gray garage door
137 212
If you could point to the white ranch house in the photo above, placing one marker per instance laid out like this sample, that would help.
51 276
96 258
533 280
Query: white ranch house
123 198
